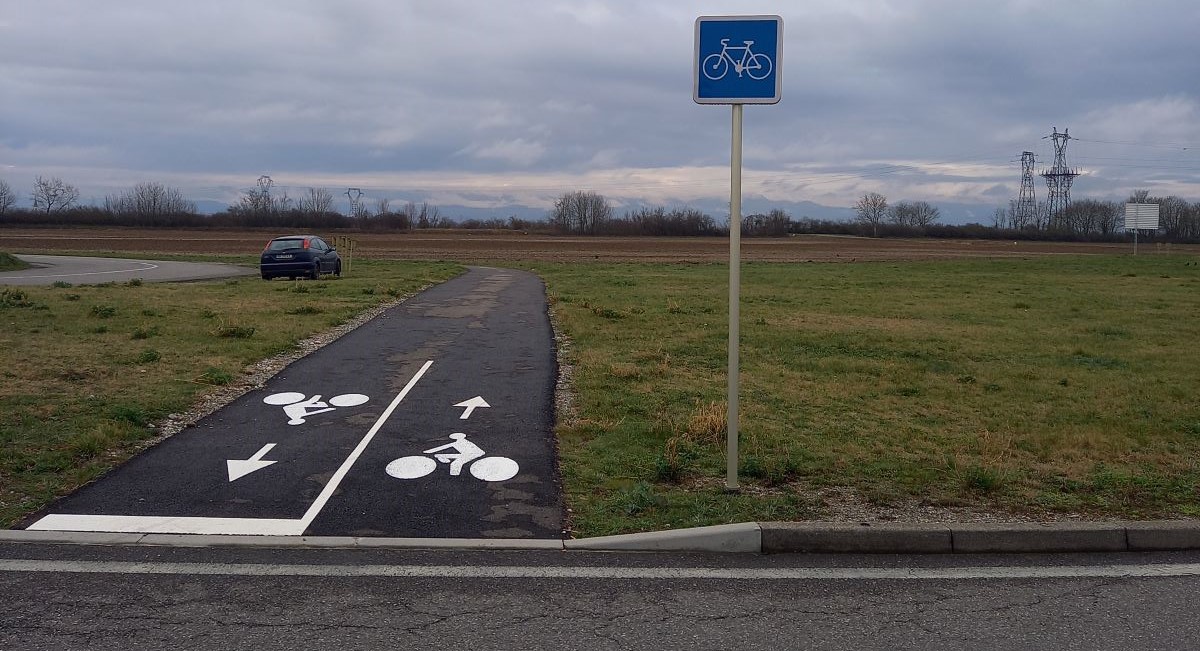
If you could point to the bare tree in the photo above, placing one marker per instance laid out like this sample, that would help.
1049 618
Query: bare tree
317 201
581 212
1000 216
1139 196
53 195
258 201
918 214
383 206
149 200
7 196
871 209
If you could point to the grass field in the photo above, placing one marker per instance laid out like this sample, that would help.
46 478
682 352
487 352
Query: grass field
10 263
1041 387
89 369
1037 387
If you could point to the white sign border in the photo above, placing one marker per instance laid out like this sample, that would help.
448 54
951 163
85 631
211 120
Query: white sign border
738 100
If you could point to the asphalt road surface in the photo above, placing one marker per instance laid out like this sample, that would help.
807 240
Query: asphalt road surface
76 597
49 269
432 420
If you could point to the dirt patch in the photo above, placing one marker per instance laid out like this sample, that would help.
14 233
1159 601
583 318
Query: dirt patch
512 246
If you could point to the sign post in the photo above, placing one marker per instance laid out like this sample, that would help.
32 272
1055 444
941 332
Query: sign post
737 61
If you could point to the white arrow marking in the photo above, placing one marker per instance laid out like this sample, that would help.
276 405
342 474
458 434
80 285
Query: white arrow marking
471 405
239 468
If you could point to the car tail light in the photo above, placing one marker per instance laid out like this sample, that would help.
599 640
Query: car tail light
267 247
306 243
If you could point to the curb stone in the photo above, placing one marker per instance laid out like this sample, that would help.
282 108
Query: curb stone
747 537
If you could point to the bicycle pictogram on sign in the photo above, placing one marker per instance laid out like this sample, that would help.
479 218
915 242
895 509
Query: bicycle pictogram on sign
755 65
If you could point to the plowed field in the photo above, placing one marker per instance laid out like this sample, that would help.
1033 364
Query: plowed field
472 246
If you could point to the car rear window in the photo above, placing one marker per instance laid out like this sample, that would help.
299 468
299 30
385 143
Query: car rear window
283 245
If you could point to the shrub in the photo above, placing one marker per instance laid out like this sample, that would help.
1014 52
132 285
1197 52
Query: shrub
14 298
235 332
215 376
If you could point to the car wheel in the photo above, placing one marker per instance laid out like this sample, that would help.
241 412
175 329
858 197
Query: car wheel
266 276
337 271
315 274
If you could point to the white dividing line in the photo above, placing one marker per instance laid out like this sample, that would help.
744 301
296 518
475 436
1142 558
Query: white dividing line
608 573
229 526
362 446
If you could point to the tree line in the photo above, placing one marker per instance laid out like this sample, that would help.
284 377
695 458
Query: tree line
1179 219
55 202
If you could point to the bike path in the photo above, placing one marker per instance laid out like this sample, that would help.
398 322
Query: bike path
336 444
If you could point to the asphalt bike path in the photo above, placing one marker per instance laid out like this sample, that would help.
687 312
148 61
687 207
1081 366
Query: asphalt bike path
433 420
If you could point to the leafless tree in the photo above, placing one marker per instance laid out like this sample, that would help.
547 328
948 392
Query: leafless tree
423 216
7 196
53 194
1003 217
871 209
383 206
580 212
148 200
772 224
317 201
918 214
258 201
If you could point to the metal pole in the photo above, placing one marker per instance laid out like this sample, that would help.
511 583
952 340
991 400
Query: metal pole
735 272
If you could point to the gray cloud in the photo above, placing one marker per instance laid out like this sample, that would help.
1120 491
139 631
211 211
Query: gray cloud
517 102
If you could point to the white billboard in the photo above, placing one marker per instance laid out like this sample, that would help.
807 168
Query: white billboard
1141 216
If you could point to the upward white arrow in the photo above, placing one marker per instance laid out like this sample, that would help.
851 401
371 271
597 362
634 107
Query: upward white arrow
471 405
239 468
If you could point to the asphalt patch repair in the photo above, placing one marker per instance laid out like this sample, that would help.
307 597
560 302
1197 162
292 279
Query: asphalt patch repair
433 420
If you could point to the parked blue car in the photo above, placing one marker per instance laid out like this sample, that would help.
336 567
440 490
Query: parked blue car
299 256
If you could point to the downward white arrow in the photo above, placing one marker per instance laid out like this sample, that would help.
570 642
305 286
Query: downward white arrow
239 468
471 406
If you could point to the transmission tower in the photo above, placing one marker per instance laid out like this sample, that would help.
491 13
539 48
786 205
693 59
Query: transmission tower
355 196
1026 209
1058 179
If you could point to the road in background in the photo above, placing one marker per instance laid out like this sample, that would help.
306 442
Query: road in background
77 270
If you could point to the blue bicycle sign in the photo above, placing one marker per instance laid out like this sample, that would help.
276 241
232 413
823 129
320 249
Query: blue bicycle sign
737 59
716 66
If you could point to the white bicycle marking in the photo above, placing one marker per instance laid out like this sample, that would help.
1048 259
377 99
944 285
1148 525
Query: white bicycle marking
464 453
348 400
299 407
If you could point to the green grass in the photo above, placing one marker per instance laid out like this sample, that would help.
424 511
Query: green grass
9 262
1064 384
88 368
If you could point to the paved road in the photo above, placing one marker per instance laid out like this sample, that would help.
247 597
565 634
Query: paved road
155 598
433 420
48 269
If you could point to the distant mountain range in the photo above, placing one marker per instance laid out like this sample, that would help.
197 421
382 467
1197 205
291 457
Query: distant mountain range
951 213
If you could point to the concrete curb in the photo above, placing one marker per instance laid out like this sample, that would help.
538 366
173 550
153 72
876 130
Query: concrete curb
752 537
980 538
743 537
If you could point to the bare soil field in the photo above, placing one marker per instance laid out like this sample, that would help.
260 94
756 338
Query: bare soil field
475 246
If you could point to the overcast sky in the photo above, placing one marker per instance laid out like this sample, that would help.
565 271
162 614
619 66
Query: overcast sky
489 103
